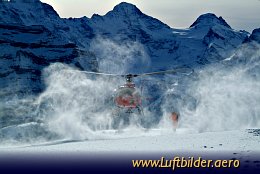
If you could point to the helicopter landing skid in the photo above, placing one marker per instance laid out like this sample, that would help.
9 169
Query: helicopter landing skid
118 110
129 111
121 117
140 111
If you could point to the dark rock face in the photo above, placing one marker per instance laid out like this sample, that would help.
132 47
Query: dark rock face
209 19
255 36
29 49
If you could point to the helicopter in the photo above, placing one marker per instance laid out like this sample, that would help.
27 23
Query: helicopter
127 96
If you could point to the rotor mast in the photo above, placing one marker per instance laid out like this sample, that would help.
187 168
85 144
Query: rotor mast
129 77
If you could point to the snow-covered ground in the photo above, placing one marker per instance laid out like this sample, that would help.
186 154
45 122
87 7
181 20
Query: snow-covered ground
155 140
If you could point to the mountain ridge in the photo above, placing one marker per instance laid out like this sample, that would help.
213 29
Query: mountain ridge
70 40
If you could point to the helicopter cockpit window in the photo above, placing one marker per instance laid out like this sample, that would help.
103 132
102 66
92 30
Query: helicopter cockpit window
126 91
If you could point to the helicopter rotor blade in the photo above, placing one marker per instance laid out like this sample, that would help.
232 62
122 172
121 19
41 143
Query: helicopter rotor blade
104 74
173 71
99 73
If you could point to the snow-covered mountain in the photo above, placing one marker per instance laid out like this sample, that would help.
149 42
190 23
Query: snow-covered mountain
247 55
32 35
208 39
255 36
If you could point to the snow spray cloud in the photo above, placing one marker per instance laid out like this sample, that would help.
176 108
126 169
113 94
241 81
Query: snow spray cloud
225 97
120 58
73 105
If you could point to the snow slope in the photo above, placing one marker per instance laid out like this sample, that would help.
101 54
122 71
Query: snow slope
132 140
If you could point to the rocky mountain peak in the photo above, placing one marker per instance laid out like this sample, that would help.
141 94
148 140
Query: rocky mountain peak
209 19
126 9
255 36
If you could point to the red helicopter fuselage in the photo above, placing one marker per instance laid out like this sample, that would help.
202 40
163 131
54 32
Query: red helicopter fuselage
127 96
